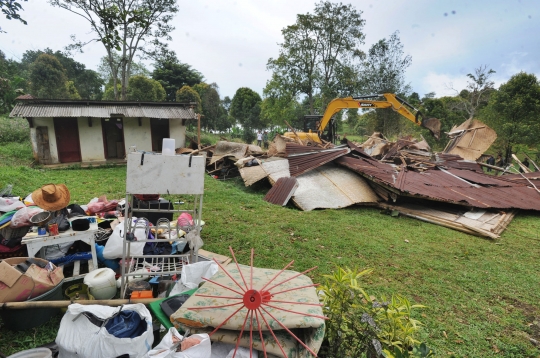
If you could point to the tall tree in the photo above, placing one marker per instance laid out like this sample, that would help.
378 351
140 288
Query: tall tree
12 83
476 95
318 50
513 112
130 27
210 103
280 105
383 71
48 78
11 9
145 89
173 74
246 110
187 94
87 82
104 70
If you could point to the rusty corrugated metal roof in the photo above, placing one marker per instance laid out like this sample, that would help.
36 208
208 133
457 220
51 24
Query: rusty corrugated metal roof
463 187
302 163
294 148
282 191
96 109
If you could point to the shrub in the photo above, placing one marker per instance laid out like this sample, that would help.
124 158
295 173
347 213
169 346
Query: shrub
14 130
360 325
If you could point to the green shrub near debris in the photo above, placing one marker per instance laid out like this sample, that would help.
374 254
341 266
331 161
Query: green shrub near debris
14 130
359 324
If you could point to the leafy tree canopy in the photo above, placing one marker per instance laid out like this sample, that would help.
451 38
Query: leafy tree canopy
129 27
11 9
145 89
48 78
87 82
320 53
513 112
246 110
173 74
187 94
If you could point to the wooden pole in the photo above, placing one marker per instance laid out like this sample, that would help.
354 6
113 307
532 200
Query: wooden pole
199 131
533 163
491 166
62 304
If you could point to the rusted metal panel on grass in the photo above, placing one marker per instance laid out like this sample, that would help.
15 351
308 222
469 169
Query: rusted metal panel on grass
282 191
331 187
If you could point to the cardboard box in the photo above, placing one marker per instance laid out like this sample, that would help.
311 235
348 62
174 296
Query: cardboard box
16 286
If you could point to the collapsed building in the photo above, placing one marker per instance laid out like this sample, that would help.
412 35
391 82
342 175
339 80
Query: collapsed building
404 177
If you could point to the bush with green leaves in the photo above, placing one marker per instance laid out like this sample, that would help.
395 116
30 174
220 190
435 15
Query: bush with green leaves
359 325
14 130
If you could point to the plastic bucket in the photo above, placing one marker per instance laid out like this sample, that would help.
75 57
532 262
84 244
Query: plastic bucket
168 146
20 320
33 353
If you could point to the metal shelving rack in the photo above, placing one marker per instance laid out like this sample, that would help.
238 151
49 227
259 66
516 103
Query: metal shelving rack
153 173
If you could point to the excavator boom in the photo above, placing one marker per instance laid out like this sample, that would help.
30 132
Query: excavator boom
391 101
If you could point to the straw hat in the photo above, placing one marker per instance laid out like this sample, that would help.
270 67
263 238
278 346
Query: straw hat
51 197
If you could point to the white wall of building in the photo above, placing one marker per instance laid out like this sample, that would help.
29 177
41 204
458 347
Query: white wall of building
138 136
178 132
91 138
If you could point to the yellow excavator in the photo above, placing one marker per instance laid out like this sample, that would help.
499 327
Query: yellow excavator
318 128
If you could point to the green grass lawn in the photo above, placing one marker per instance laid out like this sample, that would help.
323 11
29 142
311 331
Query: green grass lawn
482 296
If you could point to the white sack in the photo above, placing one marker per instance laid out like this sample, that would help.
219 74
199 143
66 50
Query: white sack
22 217
192 275
114 246
78 337
226 350
163 349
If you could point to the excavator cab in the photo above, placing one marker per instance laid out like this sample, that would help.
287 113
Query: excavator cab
312 124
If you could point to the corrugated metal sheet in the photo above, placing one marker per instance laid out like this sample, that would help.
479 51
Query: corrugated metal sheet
106 110
300 164
456 186
282 191
331 187
294 148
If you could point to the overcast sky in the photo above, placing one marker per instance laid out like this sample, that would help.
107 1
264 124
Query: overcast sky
230 42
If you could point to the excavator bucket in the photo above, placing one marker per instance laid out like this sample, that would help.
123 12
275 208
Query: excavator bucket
433 125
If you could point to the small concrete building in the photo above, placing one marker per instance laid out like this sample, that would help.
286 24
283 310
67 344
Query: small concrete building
68 131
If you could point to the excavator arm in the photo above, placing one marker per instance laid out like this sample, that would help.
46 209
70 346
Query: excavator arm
392 101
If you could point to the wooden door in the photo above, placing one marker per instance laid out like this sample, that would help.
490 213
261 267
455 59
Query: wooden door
113 137
67 140
43 149
159 128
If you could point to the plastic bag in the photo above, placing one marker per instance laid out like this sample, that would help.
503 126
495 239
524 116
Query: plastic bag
79 337
22 216
226 350
114 246
165 348
62 221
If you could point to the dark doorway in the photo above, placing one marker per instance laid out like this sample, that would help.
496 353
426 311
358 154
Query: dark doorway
67 140
113 137
160 130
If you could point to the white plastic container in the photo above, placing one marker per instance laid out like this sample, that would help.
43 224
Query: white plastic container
168 146
101 283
